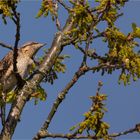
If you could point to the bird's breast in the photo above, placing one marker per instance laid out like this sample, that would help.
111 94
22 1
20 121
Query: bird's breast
24 66
9 79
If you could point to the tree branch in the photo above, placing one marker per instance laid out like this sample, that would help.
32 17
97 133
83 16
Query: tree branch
93 55
57 22
46 134
81 71
6 46
64 5
132 130
16 20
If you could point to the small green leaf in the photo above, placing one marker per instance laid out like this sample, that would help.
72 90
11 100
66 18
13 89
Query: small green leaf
137 32
134 26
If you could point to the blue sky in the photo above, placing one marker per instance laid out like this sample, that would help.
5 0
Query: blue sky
123 102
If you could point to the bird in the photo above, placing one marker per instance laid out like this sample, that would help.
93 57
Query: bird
25 62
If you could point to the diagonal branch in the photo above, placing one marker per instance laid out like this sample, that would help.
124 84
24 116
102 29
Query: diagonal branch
81 71
92 55
6 46
64 5
42 133
132 130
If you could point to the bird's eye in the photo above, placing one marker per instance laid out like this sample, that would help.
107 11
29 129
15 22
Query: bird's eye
26 50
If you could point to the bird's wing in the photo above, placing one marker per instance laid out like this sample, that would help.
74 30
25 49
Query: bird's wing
5 63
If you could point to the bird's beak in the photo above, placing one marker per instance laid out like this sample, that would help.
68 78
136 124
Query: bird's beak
39 46
42 45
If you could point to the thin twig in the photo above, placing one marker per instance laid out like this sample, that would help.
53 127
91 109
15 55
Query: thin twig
73 41
106 66
6 46
64 5
132 130
88 43
58 24
92 55
93 24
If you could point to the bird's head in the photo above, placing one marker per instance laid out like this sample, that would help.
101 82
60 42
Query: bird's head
31 48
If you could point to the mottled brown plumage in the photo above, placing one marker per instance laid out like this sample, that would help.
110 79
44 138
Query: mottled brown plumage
24 63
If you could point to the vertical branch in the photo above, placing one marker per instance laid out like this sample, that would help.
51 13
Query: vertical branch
16 20
87 43
57 22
